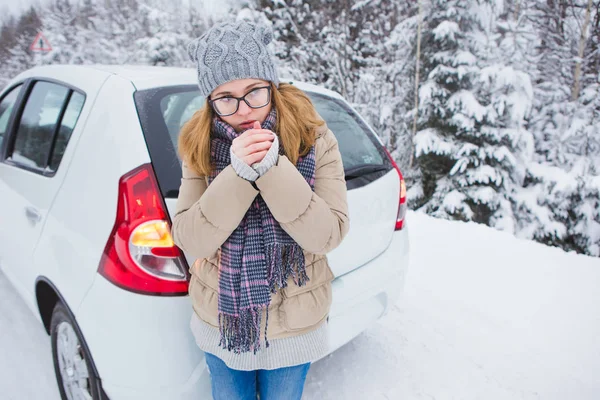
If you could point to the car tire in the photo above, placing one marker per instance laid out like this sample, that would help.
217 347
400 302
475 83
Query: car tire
73 363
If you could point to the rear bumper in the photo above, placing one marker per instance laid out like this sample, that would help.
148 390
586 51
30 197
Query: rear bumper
362 296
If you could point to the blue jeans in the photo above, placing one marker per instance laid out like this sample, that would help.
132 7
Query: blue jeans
277 384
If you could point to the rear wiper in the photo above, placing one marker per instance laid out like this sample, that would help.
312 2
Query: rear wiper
364 169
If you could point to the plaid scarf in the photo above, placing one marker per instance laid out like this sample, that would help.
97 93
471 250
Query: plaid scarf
257 258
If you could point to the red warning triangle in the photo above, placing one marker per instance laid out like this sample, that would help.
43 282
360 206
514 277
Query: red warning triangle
40 43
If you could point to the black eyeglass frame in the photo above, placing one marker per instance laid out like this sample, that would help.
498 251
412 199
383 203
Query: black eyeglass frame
237 107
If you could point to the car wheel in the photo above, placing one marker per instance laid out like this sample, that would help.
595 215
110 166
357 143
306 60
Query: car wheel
72 361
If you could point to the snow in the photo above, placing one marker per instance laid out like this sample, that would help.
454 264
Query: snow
454 202
21 159
464 102
429 141
446 29
464 58
26 370
502 80
484 175
562 180
482 194
360 4
484 315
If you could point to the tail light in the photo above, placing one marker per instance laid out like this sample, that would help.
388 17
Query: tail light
140 255
402 207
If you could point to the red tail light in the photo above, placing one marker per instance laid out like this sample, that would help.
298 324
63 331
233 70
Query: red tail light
402 202
140 255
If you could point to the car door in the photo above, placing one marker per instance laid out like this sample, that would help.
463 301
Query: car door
8 100
30 172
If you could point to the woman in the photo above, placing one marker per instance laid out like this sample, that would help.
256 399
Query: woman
262 200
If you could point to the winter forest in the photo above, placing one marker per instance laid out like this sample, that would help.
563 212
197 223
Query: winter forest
490 107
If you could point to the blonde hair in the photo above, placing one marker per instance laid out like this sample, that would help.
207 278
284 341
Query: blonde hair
297 123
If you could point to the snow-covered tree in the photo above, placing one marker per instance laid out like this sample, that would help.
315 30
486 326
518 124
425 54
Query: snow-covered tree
165 42
62 30
566 129
18 54
356 48
508 103
472 146
7 37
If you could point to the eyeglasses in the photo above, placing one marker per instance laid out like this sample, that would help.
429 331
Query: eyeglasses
228 105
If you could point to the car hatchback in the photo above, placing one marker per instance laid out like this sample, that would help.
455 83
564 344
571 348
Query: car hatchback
89 177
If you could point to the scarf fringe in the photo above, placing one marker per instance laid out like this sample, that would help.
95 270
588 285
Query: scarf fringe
241 333
283 261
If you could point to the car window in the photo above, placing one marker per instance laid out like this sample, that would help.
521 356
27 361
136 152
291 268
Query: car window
6 107
194 105
67 125
177 109
356 145
38 124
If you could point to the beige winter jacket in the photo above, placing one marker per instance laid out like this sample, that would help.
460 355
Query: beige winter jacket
317 221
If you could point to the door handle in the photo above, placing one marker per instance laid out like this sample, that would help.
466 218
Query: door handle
32 215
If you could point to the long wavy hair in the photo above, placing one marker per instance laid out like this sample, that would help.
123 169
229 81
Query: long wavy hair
297 123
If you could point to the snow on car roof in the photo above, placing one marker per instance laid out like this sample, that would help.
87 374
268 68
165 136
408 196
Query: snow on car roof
147 77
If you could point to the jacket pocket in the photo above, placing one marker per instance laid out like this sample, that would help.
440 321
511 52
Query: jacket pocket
207 271
205 301
305 309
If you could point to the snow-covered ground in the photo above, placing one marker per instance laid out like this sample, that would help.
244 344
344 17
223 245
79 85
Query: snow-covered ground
484 316
26 371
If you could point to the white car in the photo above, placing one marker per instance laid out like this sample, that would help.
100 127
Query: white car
89 176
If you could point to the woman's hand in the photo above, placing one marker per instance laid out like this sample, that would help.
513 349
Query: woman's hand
252 145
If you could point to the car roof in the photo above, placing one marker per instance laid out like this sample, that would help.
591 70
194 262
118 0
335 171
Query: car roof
143 76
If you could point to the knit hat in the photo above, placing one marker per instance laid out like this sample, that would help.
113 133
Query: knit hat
232 50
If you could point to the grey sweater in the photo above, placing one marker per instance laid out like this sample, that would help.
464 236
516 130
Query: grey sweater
281 353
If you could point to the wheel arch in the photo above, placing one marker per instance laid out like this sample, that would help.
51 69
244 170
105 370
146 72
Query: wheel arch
47 296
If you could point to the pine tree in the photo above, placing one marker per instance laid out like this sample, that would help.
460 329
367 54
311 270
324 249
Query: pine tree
61 30
566 130
7 38
472 145
354 48
386 89
592 64
86 13
20 56
165 39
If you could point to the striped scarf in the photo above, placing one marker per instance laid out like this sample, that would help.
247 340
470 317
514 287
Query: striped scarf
257 258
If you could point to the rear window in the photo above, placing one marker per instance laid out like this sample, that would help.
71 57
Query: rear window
163 112
357 144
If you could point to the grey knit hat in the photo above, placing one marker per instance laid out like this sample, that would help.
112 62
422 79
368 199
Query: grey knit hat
232 50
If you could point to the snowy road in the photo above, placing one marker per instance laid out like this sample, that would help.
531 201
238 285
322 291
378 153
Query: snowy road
26 371
484 316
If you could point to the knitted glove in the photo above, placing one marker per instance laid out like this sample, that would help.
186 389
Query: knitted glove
252 173
270 159
242 169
